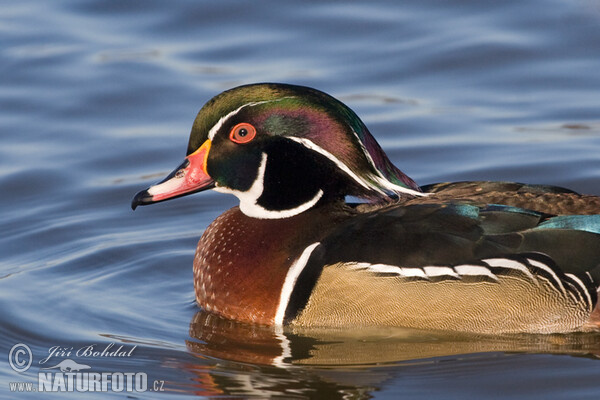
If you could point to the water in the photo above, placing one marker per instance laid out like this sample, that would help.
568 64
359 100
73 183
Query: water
96 102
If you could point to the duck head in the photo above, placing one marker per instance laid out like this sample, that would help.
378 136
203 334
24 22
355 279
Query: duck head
281 149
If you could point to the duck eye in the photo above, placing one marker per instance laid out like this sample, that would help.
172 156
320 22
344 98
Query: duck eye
242 133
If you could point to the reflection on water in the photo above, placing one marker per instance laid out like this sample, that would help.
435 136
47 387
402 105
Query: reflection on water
364 355
225 339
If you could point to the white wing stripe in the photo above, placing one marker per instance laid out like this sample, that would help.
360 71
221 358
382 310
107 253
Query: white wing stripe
510 264
583 289
440 271
430 271
385 269
549 270
413 272
573 286
474 270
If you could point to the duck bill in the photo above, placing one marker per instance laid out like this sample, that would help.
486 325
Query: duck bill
190 177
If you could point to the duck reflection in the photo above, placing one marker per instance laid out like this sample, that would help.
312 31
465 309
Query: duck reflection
341 363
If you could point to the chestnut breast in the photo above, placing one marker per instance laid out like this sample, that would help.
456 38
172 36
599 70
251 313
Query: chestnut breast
241 263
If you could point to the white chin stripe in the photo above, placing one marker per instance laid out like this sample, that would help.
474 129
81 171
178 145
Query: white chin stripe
249 198
377 178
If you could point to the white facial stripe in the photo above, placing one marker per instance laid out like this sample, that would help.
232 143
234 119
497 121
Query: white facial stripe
256 211
312 146
382 181
249 199
213 131
290 281
397 188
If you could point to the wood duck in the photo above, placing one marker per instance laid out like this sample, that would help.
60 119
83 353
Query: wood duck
485 257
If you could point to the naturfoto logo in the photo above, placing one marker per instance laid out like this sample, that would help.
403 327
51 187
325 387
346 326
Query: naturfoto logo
58 372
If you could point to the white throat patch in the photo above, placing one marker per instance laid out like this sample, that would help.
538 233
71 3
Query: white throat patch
249 198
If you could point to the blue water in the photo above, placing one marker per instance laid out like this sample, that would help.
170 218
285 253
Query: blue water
97 100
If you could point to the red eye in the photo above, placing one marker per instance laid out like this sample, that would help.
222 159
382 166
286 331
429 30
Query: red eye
242 133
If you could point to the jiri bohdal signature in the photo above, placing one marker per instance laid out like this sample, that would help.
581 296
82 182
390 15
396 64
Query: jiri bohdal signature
92 350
